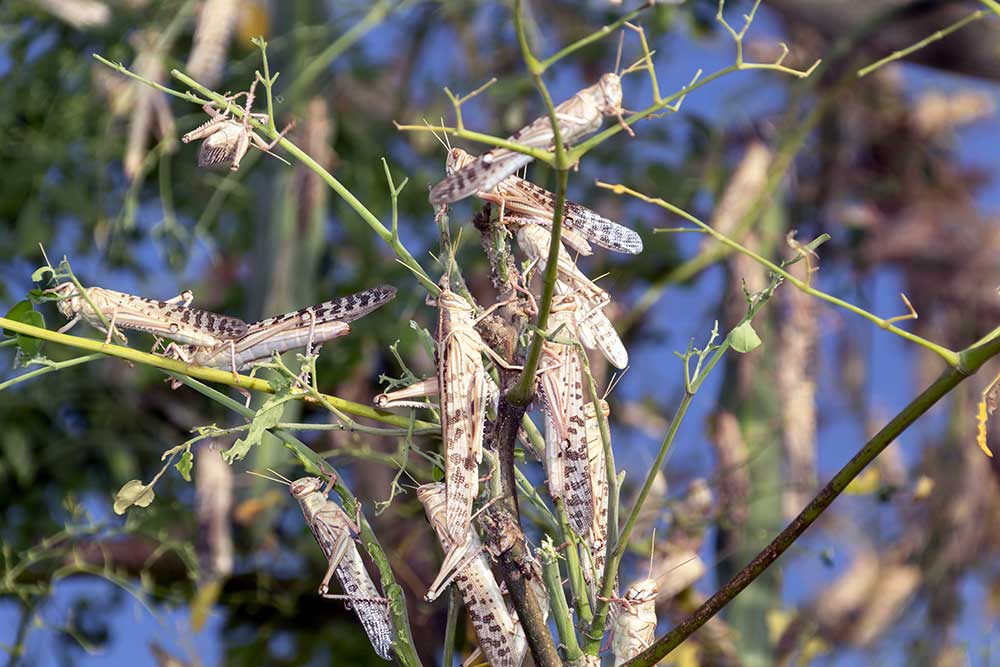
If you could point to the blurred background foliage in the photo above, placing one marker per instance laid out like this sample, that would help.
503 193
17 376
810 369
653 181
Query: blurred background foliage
899 167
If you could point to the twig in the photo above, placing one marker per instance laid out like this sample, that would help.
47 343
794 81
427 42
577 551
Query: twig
972 359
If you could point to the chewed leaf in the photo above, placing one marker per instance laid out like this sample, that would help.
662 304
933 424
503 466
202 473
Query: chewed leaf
185 464
744 339
267 417
134 492
41 272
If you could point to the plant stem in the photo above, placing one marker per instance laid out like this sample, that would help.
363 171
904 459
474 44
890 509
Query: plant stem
49 368
971 360
949 356
557 599
451 624
201 373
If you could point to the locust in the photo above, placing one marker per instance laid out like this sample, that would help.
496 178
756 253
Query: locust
174 318
597 536
523 202
578 116
634 626
226 139
566 455
594 327
464 388
303 327
494 625
334 531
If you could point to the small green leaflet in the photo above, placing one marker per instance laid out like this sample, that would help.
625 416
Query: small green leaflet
23 311
135 492
268 416
42 272
743 338
185 464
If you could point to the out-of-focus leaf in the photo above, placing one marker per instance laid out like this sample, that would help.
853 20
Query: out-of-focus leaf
865 484
134 492
17 455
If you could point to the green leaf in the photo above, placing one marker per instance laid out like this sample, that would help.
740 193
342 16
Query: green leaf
23 311
40 273
134 492
185 464
268 416
743 338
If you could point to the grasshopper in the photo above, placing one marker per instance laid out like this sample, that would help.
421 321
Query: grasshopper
464 388
566 455
495 626
304 327
594 327
578 116
173 318
528 202
597 535
634 626
334 530
227 140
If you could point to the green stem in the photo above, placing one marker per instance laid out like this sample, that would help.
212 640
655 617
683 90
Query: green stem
370 219
592 37
522 392
201 373
971 360
451 624
949 356
557 600
49 368
936 36
596 631
993 6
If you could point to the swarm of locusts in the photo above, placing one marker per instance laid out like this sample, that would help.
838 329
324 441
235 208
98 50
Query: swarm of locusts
467 393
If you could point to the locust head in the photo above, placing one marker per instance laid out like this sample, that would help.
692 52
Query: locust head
69 302
448 300
305 486
641 592
457 160
610 100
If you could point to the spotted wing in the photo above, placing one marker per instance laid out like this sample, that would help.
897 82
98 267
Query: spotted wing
594 226
357 584
462 387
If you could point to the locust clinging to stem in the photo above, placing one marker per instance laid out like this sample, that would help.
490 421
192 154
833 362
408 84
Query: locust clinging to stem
334 531
226 139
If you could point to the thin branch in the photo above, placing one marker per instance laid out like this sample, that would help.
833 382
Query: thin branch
208 374
930 39
949 356
972 360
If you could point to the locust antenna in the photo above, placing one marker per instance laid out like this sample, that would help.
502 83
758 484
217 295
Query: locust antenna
270 479
447 139
44 256
615 379
652 553
436 135
618 57
279 475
